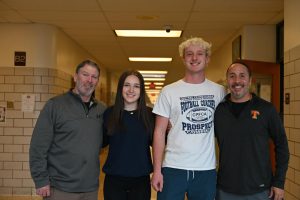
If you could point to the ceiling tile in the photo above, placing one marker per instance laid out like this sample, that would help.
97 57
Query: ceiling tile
146 5
90 23
48 16
13 17
65 5
239 5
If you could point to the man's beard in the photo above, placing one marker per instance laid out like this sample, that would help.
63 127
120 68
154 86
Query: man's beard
86 90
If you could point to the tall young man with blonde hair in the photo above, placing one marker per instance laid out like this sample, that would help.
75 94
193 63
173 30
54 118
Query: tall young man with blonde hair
185 164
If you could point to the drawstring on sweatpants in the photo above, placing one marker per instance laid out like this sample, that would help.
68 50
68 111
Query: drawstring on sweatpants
188 174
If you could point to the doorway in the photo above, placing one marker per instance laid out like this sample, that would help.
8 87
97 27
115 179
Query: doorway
266 84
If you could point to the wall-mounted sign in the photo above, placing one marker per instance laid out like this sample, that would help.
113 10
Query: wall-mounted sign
2 114
20 58
28 101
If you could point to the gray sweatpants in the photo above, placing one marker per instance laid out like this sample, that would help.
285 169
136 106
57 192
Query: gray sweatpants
221 195
56 194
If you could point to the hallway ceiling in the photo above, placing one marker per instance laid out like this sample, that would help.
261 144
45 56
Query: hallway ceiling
91 23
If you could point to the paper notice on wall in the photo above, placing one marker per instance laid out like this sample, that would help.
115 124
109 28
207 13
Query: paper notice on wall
2 114
28 102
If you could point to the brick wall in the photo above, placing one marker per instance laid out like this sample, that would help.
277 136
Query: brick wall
292 121
15 134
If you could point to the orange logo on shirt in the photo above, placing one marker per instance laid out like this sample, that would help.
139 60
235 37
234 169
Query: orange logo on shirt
254 114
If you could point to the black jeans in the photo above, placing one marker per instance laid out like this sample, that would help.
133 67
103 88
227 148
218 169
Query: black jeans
127 188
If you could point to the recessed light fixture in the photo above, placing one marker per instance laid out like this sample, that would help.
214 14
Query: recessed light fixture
154 79
155 83
147 87
150 59
154 75
152 72
148 33
153 91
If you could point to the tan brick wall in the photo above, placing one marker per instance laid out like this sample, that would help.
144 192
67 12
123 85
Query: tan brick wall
15 134
292 121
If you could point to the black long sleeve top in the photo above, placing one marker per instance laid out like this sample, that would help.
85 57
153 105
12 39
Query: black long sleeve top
244 164
129 149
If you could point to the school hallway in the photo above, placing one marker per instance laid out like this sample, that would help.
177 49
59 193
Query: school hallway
42 42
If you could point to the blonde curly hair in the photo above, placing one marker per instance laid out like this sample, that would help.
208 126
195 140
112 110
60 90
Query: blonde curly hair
195 41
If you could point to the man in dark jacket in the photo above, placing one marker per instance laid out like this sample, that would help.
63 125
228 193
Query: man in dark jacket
66 141
244 123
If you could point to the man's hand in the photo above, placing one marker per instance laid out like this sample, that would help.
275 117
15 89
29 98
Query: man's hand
157 182
43 191
276 193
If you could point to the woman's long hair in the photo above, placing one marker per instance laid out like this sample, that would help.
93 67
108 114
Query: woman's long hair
115 118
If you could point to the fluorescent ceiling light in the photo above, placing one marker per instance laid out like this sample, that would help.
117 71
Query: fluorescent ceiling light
153 91
154 75
150 59
156 87
154 79
148 33
152 72
144 72
155 83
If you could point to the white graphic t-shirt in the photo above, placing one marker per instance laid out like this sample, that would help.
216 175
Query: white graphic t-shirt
190 109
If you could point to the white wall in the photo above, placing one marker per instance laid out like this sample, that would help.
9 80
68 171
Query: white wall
259 43
291 24
220 60
68 53
46 46
38 41
292 87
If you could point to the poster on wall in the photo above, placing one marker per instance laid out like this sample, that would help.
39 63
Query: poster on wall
237 48
28 102
2 114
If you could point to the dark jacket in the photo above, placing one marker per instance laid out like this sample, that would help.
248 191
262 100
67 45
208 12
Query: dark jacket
65 145
244 164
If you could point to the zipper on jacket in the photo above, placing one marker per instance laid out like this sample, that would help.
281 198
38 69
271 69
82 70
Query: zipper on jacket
87 110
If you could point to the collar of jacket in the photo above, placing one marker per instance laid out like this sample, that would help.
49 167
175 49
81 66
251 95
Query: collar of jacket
227 97
93 100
